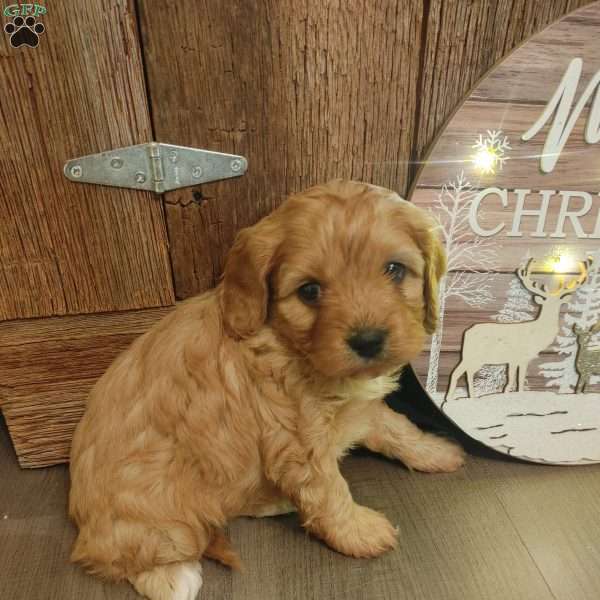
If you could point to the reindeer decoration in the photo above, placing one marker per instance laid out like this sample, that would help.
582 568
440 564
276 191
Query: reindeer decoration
515 344
587 361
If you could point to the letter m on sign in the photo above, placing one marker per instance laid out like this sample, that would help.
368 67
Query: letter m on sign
565 118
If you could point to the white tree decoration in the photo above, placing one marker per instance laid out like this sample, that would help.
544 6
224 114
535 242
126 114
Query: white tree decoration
464 250
517 309
518 306
491 151
584 311
490 379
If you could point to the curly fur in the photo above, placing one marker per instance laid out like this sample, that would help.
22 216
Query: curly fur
243 400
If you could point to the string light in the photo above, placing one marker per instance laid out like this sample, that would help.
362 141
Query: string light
485 161
563 262
491 152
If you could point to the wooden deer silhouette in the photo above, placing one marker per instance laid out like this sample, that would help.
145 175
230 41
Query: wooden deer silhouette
515 344
587 362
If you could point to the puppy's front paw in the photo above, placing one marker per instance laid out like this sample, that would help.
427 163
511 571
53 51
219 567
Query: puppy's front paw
366 535
434 454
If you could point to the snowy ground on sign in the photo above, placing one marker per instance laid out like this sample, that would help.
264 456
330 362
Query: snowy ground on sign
534 425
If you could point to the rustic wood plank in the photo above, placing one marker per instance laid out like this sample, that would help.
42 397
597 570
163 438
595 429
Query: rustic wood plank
306 91
47 368
64 247
42 419
553 47
463 41
73 327
576 169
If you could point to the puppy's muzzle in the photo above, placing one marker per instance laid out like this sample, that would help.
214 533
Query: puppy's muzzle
367 342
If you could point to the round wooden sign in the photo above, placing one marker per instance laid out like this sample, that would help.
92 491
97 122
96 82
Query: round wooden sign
514 183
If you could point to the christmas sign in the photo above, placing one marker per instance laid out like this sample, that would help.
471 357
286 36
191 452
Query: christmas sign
514 185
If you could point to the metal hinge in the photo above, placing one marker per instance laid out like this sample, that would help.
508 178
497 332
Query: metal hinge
155 167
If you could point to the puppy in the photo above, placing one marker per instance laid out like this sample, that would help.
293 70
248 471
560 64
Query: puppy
244 399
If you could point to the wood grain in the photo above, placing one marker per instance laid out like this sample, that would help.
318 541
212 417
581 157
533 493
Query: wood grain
463 41
71 248
47 368
576 169
550 52
565 517
427 563
307 91
498 528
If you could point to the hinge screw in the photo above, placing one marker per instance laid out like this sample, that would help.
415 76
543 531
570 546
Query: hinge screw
140 177
116 163
76 171
236 165
197 172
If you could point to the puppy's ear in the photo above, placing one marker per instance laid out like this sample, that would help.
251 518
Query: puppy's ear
245 281
425 230
435 268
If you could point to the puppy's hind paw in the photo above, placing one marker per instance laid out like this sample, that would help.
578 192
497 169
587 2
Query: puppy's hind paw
434 454
178 581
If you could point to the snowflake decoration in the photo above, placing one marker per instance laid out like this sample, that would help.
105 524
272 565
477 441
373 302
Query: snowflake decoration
491 152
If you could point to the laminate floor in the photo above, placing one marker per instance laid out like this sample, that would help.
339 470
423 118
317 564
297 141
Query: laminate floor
498 529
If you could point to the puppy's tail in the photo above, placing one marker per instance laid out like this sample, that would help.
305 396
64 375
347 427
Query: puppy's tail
219 548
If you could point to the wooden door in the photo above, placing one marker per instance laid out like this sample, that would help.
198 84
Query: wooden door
65 248
307 91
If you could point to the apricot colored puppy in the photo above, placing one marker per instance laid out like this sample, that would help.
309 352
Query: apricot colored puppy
244 399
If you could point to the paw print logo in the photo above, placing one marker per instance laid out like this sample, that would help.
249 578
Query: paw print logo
24 32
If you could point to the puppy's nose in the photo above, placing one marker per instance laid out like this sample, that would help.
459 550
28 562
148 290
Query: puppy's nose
367 343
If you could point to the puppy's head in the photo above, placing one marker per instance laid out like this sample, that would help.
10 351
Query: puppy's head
346 273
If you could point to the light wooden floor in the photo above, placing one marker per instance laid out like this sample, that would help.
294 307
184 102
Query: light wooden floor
499 529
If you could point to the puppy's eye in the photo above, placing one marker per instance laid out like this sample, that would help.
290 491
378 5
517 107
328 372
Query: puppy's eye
310 292
396 271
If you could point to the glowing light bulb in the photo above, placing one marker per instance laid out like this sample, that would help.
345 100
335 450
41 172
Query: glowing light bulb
485 161
563 263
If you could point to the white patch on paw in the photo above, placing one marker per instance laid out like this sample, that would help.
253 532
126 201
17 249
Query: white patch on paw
187 581
178 581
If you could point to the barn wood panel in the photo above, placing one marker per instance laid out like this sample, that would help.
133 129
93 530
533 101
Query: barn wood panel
68 248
